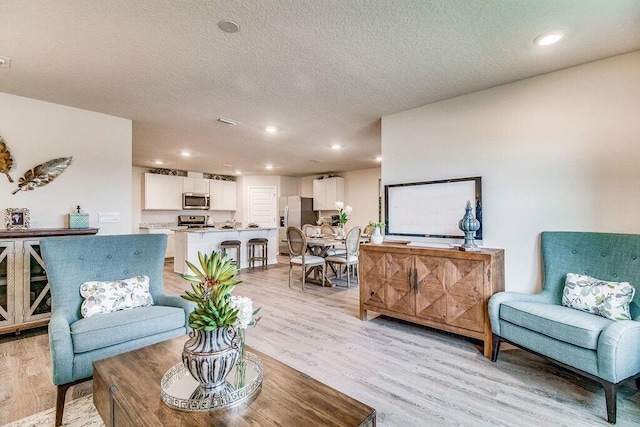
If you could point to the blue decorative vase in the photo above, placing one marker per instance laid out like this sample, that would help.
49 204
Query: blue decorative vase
469 225
210 355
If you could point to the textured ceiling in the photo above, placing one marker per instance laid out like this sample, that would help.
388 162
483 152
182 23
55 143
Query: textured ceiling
322 71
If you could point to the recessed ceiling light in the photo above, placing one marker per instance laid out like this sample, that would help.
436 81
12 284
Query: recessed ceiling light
378 158
185 153
226 165
228 26
5 62
268 166
238 172
547 39
335 146
271 129
159 162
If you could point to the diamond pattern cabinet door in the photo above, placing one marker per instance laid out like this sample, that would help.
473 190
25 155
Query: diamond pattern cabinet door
398 292
450 291
465 294
431 292
372 283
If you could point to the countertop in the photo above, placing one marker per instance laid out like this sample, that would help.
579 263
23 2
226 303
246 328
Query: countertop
46 232
217 230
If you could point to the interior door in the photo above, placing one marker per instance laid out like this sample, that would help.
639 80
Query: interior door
262 206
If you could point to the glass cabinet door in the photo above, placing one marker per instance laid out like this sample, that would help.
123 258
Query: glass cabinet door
37 298
7 283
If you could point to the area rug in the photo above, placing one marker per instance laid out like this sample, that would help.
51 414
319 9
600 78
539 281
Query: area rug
77 413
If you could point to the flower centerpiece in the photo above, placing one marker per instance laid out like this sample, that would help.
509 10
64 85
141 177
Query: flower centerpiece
343 214
214 344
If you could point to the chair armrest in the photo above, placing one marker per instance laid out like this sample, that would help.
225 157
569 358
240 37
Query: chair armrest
618 356
61 347
502 297
179 302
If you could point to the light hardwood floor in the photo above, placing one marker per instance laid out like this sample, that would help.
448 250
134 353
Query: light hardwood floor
412 375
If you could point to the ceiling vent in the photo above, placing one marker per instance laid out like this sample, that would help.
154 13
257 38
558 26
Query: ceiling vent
227 122
5 62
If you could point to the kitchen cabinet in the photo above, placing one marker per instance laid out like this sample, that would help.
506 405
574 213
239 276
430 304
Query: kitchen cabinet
171 238
223 195
326 192
195 185
162 192
445 289
25 297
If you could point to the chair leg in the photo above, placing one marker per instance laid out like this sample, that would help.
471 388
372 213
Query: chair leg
290 271
348 277
610 394
324 272
496 347
304 274
60 397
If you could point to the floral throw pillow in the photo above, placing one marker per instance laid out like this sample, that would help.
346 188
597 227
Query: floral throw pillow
607 299
106 297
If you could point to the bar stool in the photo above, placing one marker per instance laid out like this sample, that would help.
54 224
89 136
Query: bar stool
263 244
231 244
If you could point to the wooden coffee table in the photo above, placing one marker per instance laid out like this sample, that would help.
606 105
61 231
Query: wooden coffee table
126 392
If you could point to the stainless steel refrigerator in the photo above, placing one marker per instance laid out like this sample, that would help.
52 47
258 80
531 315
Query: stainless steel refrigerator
293 211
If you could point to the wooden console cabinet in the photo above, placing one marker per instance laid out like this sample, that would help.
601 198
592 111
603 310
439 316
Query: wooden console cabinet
444 289
25 298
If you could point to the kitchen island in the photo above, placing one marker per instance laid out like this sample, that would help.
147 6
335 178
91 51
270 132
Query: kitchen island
193 240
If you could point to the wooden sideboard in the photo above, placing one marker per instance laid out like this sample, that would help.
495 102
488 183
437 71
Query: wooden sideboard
25 299
445 289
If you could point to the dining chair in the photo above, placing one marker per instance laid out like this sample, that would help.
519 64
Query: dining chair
350 258
297 242
327 230
308 230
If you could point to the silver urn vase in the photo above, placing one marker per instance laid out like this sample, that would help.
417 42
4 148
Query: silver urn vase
210 355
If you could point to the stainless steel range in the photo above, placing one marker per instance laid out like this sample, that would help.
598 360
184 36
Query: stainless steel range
192 221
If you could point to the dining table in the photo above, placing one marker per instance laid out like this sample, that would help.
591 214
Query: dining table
319 246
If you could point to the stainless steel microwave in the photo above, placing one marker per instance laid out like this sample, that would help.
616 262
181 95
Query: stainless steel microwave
195 201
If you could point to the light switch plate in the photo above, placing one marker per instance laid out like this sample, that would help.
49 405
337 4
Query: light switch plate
109 217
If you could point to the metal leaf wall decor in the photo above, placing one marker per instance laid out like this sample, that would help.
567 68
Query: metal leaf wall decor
6 160
42 174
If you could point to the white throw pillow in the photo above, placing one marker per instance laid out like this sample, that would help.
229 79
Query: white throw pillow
106 297
606 299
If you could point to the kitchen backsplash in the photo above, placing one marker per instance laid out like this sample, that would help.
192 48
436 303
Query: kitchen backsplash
172 217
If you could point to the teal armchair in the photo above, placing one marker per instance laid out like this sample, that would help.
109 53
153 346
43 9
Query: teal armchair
77 342
604 350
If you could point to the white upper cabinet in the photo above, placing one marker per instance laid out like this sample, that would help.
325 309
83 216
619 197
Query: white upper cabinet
223 195
162 192
195 185
326 192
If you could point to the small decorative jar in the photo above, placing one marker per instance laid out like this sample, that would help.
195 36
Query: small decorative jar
377 238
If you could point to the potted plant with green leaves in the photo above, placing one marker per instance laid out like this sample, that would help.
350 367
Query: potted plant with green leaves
215 343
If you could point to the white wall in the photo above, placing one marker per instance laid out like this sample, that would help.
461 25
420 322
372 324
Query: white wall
361 193
98 179
556 152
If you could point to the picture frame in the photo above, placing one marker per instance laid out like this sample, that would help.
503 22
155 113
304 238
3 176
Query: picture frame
16 218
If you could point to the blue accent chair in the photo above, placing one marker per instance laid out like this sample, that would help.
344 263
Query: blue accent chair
601 349
77 342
